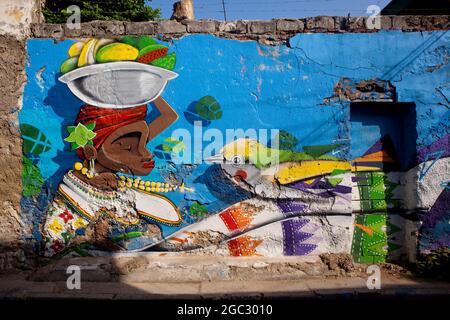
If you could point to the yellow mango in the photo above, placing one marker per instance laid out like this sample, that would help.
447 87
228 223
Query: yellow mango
116 52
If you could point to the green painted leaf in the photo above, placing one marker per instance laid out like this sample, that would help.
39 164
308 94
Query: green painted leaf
334 181
139 42
286 140
32 179
336 172
81 135
198 210
91 125
317 151
34 140
208 108
126 236
173 145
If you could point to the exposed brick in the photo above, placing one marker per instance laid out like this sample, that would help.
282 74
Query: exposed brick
12 78
233 26
386 22
407 23
97 29
248 29
138 28
107 28
46 30
341 24
357 24
442 22
321 24
260 27
435 22
201 26
290 25
171 26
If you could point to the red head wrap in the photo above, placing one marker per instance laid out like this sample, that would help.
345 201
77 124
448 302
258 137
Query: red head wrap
107 121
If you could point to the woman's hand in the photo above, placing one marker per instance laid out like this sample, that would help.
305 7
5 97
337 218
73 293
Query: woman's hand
167 116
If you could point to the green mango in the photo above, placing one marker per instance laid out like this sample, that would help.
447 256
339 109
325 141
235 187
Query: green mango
69 65
145 41
139 42
130 40
167 62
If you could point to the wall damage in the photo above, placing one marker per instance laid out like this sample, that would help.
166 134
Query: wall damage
331 174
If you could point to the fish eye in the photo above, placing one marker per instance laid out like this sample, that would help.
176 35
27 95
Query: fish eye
237 160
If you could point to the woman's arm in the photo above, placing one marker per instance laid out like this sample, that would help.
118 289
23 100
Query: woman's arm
167 116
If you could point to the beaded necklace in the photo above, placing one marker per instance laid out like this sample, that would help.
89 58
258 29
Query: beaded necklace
125 182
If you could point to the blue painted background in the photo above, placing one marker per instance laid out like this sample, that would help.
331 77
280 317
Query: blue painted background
280 87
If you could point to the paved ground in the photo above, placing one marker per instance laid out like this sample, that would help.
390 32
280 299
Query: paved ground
16 287
157 277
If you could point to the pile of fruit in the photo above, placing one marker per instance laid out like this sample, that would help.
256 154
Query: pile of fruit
143 49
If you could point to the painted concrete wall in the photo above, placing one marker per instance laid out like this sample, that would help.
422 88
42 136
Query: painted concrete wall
17 15
343 147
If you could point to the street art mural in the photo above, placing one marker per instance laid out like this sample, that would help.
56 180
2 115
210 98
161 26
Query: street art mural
203 145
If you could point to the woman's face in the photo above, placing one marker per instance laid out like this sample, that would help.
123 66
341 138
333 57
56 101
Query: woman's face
125 150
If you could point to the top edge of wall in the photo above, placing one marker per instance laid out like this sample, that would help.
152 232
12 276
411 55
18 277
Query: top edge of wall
274 30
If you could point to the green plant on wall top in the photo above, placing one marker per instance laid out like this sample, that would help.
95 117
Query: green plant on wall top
123 10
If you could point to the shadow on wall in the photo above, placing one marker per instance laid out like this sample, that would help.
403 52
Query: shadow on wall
379 225
65 105
36 190
388 121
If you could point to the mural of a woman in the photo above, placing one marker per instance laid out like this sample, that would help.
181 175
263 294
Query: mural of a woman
94 206
97 207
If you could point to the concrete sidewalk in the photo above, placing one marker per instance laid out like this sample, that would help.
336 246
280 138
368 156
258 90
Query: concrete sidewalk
19 288
150 276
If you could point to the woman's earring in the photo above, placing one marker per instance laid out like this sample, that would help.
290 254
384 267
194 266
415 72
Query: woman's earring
78 166
92 166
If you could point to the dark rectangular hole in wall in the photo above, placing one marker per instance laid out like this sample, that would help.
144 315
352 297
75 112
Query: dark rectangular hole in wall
392 123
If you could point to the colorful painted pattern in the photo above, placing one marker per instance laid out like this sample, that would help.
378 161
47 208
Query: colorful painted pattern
371 239
315 185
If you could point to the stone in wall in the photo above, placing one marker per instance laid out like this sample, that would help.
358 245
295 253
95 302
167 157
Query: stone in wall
12 78
365 90
269 32
17 15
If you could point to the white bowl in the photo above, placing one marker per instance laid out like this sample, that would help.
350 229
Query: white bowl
121 84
